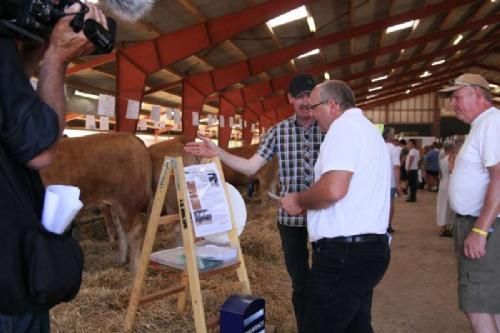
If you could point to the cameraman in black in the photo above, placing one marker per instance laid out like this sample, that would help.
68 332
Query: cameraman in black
31 125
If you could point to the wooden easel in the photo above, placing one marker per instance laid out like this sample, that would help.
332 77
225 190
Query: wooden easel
190 280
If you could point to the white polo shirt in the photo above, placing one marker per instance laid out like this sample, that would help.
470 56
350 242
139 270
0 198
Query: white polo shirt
394 154
354 144
470 176
414 163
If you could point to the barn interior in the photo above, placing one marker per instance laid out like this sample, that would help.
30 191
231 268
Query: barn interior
222 68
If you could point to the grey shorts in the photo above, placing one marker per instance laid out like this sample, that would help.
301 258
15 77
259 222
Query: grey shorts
479 279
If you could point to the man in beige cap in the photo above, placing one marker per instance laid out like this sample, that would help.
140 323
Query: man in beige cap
474 194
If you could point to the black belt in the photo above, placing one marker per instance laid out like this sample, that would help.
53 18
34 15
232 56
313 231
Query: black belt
466 216
353 239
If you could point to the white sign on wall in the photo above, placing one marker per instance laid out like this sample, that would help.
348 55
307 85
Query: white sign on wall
132 109
106 105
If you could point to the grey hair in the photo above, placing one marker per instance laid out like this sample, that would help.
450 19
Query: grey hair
388 133
448 145
339 91
486 93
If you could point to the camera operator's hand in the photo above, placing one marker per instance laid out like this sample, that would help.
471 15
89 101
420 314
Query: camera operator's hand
67 45
64 46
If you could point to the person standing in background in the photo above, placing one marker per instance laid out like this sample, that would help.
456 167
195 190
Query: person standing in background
444 215
394 153
474 195
411 166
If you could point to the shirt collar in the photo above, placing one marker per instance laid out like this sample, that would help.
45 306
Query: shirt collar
483 115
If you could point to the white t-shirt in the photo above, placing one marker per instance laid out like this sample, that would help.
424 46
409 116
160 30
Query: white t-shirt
394 153
416 157
353 144
470 176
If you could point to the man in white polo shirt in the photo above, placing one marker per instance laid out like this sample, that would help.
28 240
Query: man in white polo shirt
411 165
474 194
347 215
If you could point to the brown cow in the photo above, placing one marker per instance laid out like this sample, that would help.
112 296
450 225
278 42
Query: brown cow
113 172
267 176
172 148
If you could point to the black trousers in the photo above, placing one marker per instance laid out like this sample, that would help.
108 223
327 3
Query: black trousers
413 183
294 241
340 286
29 322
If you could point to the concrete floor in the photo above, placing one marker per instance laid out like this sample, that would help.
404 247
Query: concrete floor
418 292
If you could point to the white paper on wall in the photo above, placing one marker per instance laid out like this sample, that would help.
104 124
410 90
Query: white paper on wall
155 113
221 121
162 124
106 105
177 116
168 113
104 123
231 122
90 122
252 128
142 125
132 109
245 124
196 118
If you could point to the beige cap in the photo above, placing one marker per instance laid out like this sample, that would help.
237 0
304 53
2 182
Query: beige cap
465 80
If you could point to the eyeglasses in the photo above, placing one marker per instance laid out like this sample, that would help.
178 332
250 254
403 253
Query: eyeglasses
314 106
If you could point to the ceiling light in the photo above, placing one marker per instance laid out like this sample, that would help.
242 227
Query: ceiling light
371 96
402 50
401 26
307 54
484 27
86 95
458 39
311 24
380 78
293 15
327 76
374 88
438 62
426 74
407 91
415 84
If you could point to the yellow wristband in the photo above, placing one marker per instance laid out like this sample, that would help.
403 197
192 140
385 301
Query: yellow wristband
480 231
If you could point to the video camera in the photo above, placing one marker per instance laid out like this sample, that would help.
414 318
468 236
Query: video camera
33 20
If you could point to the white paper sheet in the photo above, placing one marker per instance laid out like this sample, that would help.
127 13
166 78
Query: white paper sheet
132 109
155 113
106 105
60 207
207 199
104 123
90 122
196 118
221 121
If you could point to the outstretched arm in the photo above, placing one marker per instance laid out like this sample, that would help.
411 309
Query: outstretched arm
206 148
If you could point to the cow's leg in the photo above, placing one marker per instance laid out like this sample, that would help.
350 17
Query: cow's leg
108 223
121 258
134 237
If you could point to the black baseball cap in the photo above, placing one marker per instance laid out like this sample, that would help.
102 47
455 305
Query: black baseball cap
300 84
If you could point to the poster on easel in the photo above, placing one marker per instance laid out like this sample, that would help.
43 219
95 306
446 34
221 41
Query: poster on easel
207 199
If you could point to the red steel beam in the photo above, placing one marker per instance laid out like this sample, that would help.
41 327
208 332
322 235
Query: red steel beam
171 47
150 56
263 88
94 62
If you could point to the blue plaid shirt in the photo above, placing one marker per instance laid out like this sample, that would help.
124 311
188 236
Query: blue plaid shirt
295 145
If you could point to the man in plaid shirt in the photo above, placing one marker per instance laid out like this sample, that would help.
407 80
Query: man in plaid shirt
296 141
